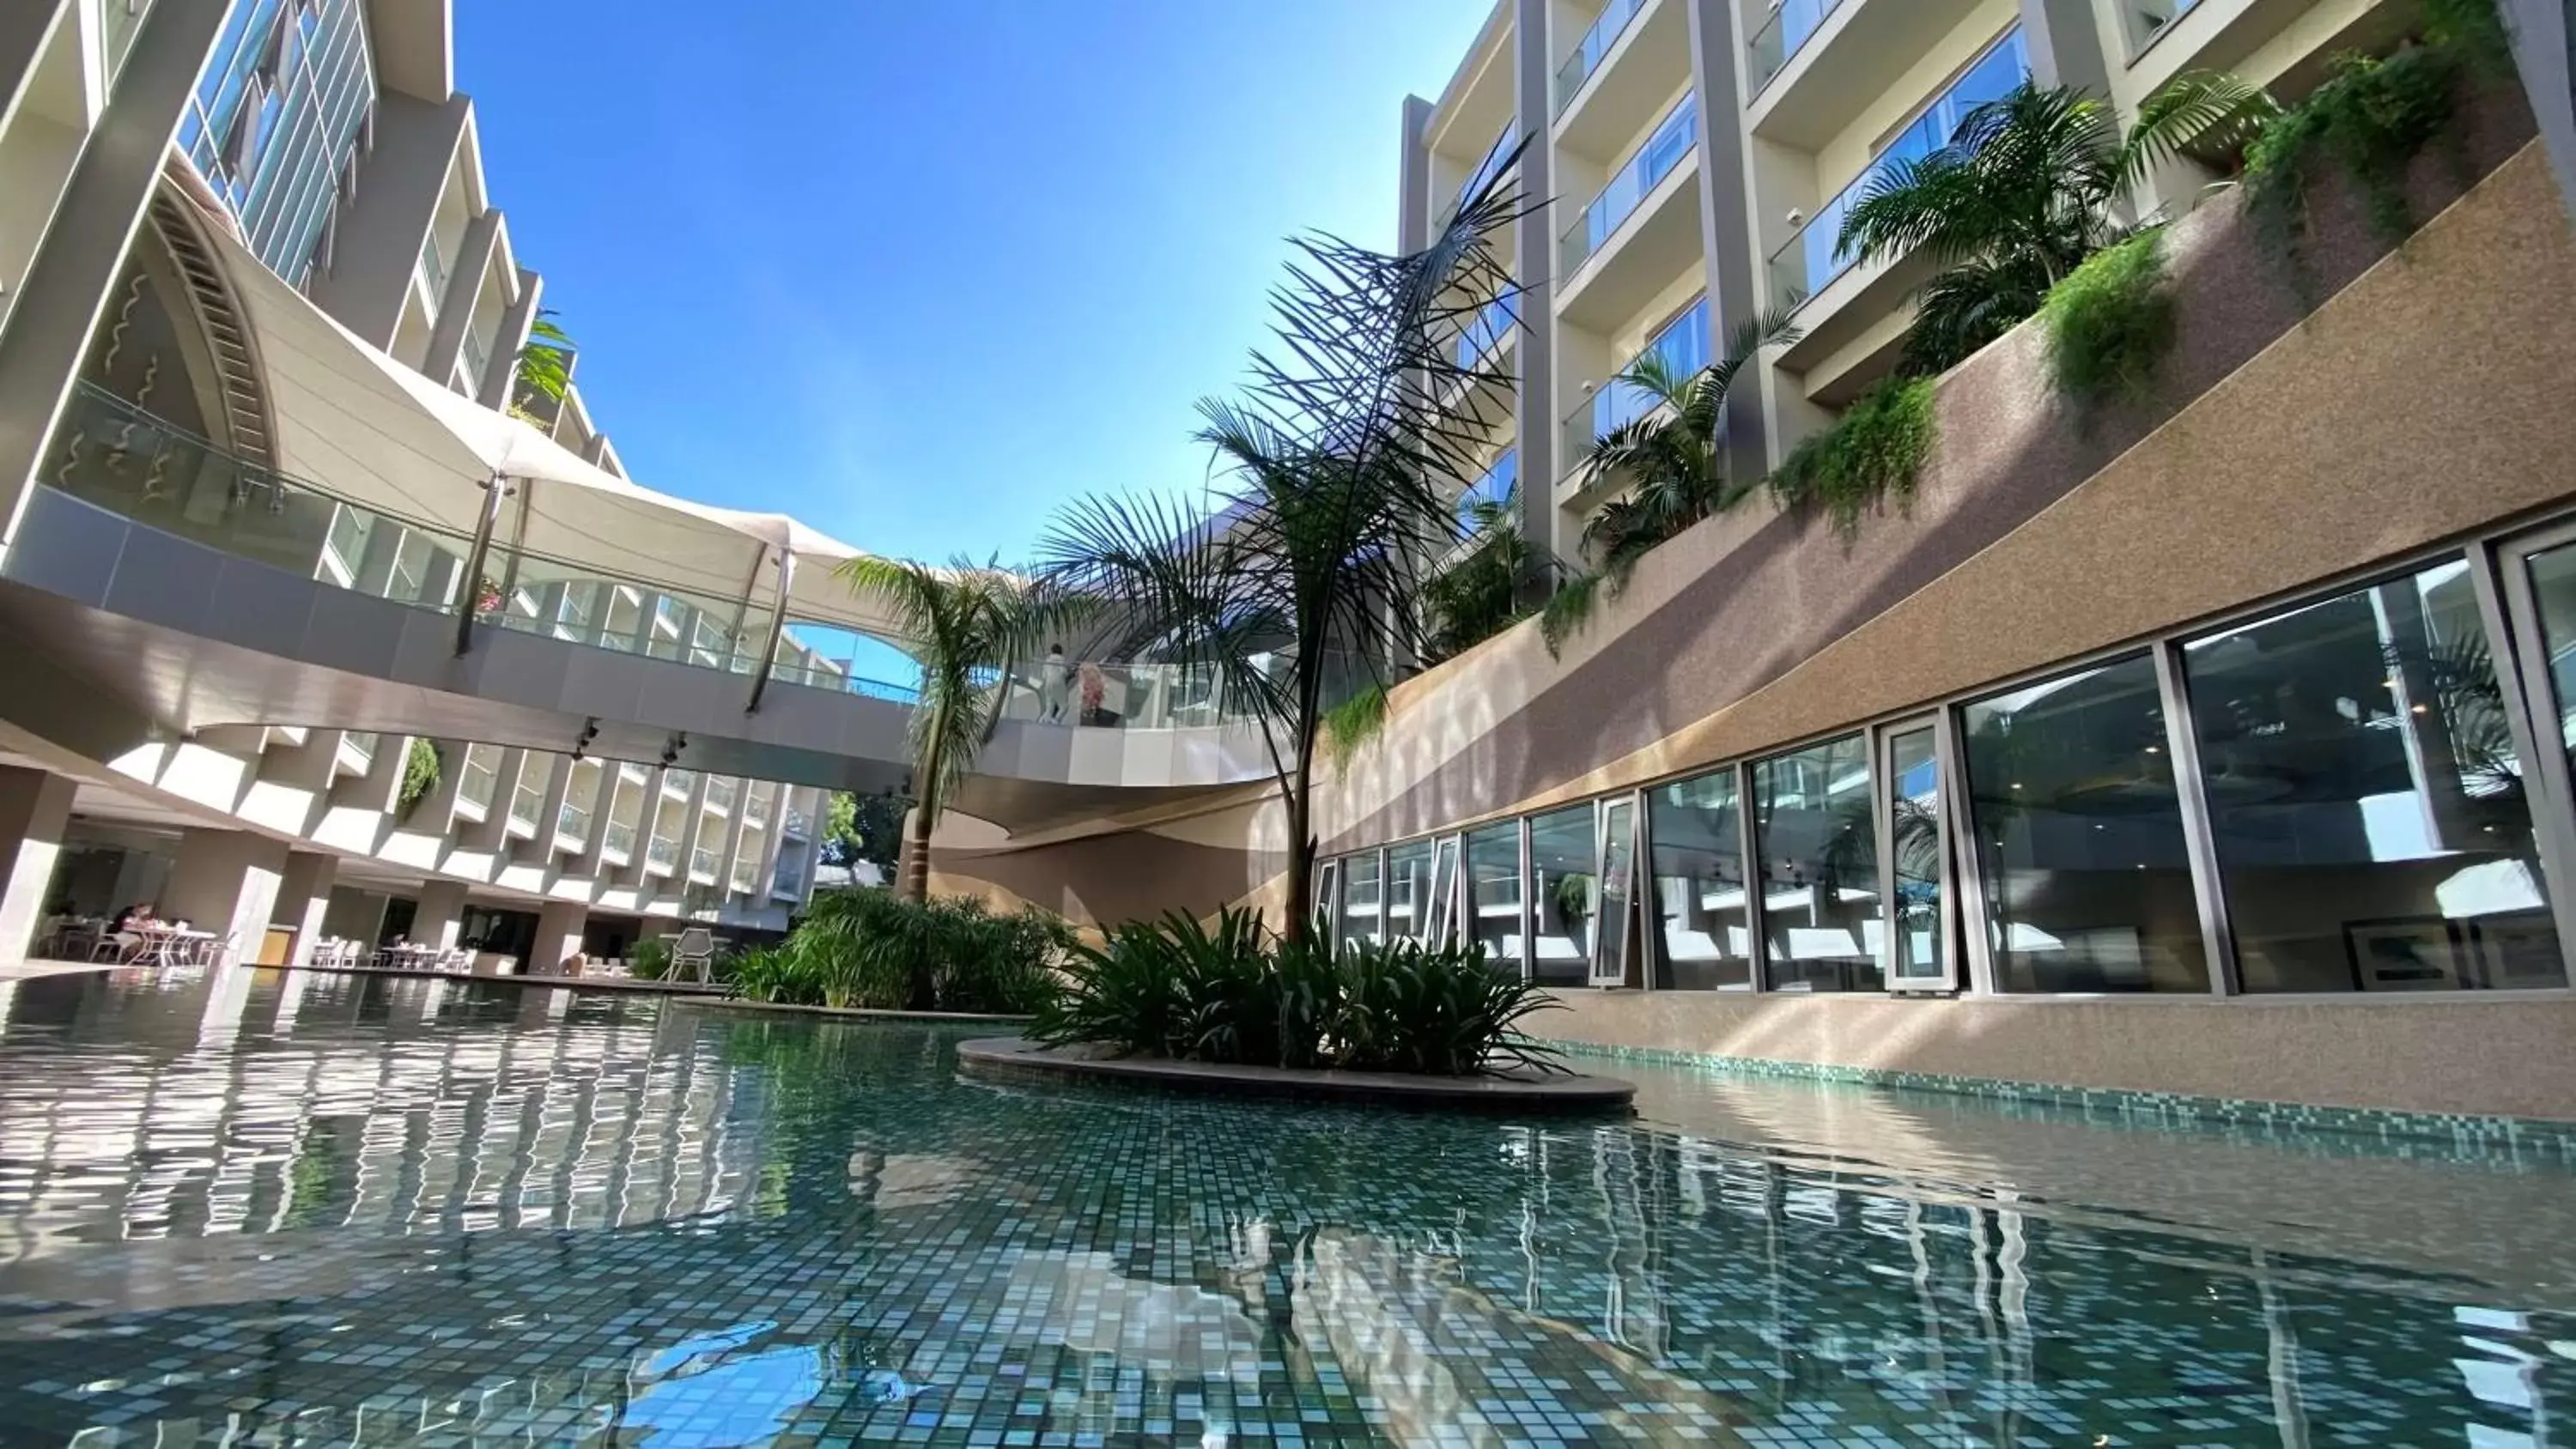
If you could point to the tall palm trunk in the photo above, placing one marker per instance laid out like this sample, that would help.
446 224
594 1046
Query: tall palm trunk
913 884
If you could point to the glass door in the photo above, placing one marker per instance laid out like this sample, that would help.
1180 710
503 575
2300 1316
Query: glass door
1615 855
1914 850
1440 913
2539 579
1328 883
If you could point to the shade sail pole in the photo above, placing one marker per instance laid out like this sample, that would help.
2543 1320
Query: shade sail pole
777 629
475 558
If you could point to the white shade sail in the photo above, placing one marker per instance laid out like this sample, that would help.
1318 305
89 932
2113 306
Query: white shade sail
360 426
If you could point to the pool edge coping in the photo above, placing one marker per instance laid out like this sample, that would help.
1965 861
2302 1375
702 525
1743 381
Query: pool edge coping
1017 1057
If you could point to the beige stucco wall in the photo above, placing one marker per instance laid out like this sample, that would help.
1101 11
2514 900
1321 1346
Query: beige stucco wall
2485 1055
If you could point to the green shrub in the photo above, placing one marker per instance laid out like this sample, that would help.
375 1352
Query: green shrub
1874 450
872 949
2370 120
1230 994
420 776
2111 322
652 959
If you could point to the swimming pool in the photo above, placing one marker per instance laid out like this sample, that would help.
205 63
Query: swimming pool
282 1208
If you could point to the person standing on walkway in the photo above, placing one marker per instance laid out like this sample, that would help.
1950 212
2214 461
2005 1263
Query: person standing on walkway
1055 684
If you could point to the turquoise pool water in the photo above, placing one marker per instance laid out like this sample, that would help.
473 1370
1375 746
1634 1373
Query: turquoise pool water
296 1209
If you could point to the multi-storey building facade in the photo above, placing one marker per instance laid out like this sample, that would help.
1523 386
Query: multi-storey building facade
145 145
2208 744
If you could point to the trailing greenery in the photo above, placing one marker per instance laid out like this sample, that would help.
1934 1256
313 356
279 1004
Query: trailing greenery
1231 993
1353 723
879 950
421 765
1670 460
1874 451
2110 324
1569 608
651 960
2370 120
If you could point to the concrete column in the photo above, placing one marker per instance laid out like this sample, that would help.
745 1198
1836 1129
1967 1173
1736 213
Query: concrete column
1413 168
591 861
494 832
511 341
67 286
25 27
559 928
35 808
633 873
1726 225
2544 49
377 237
731 850
303 899
227 882
1534 412
693 824
439 920
2066 49
558 770
464 289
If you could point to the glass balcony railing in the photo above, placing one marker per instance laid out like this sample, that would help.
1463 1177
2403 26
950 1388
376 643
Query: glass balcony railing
2148 19
1493 326
1486 170
702 863
678 783
664 852
1815 256
746 874
572 822
1682 343
482 776
797 826
360 746
1792 24
1665 149
1593 48
790 880
720 793
1495 487
755 809
621 840
827 674
431 272
476 353
526 803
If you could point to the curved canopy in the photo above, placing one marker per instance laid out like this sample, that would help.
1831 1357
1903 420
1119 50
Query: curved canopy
370 431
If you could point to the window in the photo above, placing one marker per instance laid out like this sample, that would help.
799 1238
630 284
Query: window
1494 891
1564 896
1703 928
1818 845
1915 853
2078 835
1408 890
1360 918
2366 798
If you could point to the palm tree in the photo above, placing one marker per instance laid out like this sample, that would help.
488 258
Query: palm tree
966 624
2028 188
545 361
1671 455
1481 593
1304 582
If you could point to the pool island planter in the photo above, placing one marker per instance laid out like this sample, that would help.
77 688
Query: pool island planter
1524 1092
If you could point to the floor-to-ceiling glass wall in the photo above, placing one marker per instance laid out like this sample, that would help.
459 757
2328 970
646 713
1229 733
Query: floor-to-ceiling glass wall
1817 840
1360 917
2367 800
1565 896
1919 943
1703 929
1494 892
2078 835
1408 890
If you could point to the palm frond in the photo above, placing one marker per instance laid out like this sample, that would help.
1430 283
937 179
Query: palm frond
2199 111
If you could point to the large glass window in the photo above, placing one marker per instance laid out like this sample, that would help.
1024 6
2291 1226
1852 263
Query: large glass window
1494 891
1914 848
1814 832
1408 890
1359 918
1565 896
2553 591
1705 934
2366 798
2078 834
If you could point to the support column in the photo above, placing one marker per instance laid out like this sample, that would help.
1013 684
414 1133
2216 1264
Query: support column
35 808
473 262
512 341
1534 412
226 882
68 284
25 28
2065 42
731 851
559 928
303 899
2544 50
1413 170
1726 226
633 875
439 920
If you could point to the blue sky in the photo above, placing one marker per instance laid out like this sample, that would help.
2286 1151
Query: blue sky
918 272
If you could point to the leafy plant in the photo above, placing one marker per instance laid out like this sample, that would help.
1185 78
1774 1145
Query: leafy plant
761 973
421 765
1569 608
651 960
877 950
545 363
2111 322
1573 893
965 624
1875 450
2370 120
1480 594
2025 191
1227 992
1670 458
1338 460
1352 724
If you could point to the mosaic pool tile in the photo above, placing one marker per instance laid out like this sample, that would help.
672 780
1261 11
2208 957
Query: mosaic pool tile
256 1212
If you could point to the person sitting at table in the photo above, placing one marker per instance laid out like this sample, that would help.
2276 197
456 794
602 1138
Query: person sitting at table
131 929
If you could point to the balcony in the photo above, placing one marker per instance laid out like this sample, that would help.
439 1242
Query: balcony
1850 56
1792 24
429 274
482 778
475 353
1495 487
1589 52
572 825
1630 81
662 855
527 802
1814 258
620 842
746 874
1682 343
720 794
1640 234
1489 332
2147 20
1486 171
797 826
678 783
702 865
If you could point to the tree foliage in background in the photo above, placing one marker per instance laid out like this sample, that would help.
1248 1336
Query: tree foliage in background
421 765
1308 573
2027 189
545 363
1483 590
965 624
2111 322
864 828
873 949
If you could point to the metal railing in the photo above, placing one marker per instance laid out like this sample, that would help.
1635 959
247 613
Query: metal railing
431 270
482 775
1670 143
1593 48
663 851
527 802
573 820
702 861
720 793
1814 257
1792 24
621 839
